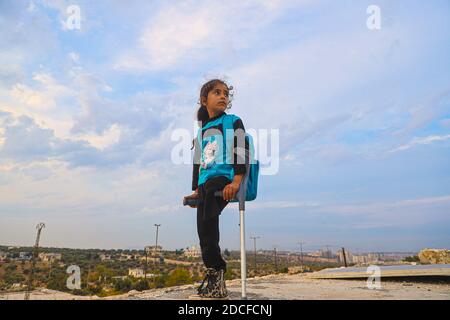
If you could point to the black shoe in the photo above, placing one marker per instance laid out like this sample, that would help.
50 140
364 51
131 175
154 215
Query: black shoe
216 287
208 275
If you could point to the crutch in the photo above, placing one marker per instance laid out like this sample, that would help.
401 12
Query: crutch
240 196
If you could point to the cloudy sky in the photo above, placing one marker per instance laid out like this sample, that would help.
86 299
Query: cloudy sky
87 116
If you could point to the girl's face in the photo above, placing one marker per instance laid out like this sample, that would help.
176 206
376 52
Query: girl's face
217 100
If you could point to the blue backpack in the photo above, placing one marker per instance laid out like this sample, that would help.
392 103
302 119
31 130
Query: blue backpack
253 167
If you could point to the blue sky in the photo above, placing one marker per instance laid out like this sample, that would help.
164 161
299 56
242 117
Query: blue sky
86 117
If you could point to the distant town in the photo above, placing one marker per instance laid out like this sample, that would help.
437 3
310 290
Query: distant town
116 271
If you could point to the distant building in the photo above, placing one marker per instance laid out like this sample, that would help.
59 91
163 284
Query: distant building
373 258
153 250
17 286
327 254
192 252
348 256
3 255
125 257
105 257
138 273
316 254
50 257
360 259
25 256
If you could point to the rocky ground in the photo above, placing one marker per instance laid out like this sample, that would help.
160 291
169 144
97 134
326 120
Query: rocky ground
276 287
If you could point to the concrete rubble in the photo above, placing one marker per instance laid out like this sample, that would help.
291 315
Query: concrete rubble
278 287
434 256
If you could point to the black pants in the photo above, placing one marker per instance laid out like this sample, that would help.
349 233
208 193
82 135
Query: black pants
208 221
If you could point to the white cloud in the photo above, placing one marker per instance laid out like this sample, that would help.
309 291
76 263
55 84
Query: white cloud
2 138
423 113
32 98
183 34
158 210
46 101
353 209
420 201
55 190
403 213
101 141
75 57
281 204
420 141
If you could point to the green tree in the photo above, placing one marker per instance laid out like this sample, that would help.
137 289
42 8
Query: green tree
179 276
11 267
412 259
141 285
160 281
123 285
13 277
57 282
229 274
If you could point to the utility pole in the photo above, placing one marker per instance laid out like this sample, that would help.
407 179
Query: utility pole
301 243
345 259
254 245
276 262
33 259
145 268
156 245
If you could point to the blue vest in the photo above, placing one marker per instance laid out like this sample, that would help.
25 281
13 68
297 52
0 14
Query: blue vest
217 153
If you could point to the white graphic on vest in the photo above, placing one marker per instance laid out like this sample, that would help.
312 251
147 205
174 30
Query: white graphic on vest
209 154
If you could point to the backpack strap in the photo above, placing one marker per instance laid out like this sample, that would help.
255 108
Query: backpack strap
228 139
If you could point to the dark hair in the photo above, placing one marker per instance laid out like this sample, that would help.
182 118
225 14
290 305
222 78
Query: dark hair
202 112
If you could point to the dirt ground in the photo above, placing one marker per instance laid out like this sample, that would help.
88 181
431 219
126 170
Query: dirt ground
283 287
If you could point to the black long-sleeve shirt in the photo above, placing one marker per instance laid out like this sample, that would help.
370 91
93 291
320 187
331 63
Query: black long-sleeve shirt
240 159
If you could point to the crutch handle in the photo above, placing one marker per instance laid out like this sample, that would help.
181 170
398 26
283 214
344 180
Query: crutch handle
220 194
190 202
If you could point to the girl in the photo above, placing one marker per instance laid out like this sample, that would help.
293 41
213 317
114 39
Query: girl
209 176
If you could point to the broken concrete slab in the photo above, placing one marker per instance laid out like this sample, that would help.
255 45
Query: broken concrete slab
385 271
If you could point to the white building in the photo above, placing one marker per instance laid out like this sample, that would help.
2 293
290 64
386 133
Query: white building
3 255
105 257
25 255
50 257
193 252
125 257
139 273
373 257
136 272
360 259
348 256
